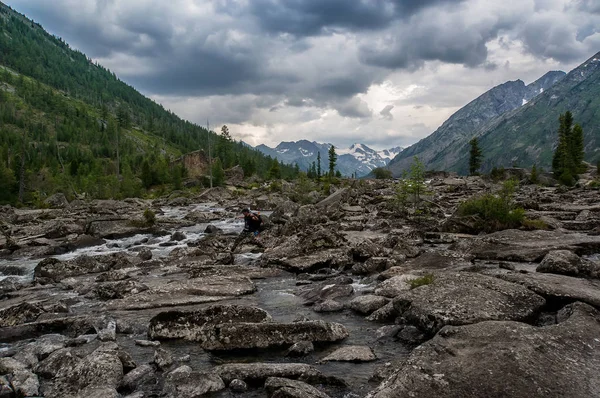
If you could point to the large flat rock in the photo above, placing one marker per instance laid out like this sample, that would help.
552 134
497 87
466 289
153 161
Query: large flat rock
516 245
505 359
461 298
560 288
258 372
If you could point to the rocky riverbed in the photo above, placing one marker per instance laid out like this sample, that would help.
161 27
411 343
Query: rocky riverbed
343 297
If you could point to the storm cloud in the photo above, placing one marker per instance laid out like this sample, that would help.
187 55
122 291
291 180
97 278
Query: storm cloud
316 69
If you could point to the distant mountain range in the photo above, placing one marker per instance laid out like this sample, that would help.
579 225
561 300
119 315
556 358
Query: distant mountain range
446 148
359 159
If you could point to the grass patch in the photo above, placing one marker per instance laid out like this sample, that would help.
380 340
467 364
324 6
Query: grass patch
421 281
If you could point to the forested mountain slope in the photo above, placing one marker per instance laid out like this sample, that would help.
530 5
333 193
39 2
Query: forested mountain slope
70 125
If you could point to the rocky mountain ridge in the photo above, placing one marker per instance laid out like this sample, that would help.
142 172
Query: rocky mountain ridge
357 160
437 151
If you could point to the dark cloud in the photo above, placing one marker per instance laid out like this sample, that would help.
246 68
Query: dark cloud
314 17
592 6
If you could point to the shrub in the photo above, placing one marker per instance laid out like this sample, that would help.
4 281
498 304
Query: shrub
149 217
494 212
530 224
421 281
497 174
382 174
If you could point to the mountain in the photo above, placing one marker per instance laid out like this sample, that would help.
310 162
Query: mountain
69 125
358 159
444 149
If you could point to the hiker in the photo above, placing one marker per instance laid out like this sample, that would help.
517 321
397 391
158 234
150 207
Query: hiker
253 222
253 225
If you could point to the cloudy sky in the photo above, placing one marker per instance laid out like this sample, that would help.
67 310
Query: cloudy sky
380 72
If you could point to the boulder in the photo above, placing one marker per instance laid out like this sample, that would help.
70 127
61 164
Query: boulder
101 369
328 306
351 354
395 285
57 201
258 372
565 262
278 387
189 384
465 298
145 254
191 325
137 377
300 349
25 383
19 314
238 386
49 367
163 359
368 304
558 361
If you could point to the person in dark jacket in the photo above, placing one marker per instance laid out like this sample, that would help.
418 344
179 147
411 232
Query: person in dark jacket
252 222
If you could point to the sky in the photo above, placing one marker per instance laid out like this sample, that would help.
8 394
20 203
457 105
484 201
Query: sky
384 73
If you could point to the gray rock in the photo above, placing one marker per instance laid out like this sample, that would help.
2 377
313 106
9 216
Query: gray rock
137 377
10 365
145 254
328 306
465 298
238 385
211 229
384 314
258 372
178 236
57 201
559 361
187 384
409 334
278 387
100 370
558 288
6 390
19 314
188 325
147 343
565 262
395 285
163 359
25 383
300 349
351 354
371 266
106 329
118 290
49 367
329 290
368 304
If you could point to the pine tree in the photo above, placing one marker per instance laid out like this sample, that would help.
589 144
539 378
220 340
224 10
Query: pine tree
319 164
218 174
567 160
275 171
332 161
475 156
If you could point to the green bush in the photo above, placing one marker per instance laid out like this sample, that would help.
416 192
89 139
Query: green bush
149 217
497 174
382 174
421 281
530 224
495 212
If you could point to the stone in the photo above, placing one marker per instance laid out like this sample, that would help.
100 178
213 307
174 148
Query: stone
178 236
147 343
49 367
559 361
101 369
278 387
395 285
238 385
300 349
118 290
10 365
137 377
460 298
145 254
351 354
6 390
106 329
384 314
565 262
258 372
211 229
189 384
367 304
188 325
57 201
25 383
371 266
328 306
163 359
330 290
19 314
409 334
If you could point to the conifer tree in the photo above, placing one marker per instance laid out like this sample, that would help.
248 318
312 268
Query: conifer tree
475 156
568 157
319 164
332 161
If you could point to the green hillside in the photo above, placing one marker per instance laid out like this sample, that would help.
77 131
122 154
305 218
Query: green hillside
529 135
69 125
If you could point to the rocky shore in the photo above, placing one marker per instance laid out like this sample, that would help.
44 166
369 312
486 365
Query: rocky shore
343 297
